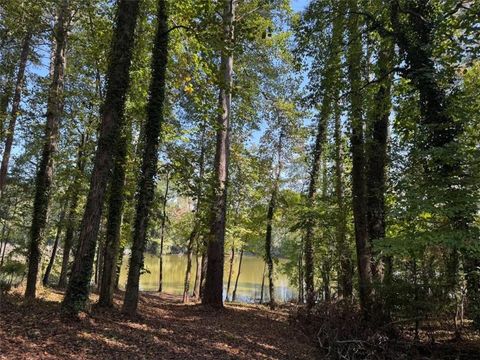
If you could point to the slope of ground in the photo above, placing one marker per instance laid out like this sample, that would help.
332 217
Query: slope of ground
165 329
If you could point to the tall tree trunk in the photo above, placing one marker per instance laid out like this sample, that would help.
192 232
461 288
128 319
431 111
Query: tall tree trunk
100 262
162 233
213 294
72 212
119 267
203 269
96 264
377 146
114 224
327 296
301 297
326 266
146 182
198 275
197 220
346 267
263 282
15 110
354 57
230 271
270 213
188 271
330 93
309 233
234 294
60 224
44 177
118 78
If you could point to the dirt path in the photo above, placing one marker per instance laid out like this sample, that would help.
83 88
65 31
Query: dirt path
166 329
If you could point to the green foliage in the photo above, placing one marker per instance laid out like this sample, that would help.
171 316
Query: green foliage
12 273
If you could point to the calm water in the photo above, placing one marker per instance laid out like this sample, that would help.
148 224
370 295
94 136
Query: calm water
249 283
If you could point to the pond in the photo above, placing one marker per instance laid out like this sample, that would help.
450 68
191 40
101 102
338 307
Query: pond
249 283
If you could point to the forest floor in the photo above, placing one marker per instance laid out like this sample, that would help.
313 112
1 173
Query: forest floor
164 329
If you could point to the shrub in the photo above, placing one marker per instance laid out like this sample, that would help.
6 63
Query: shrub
11 274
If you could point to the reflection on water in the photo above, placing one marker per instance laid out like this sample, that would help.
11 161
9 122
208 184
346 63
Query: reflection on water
249 283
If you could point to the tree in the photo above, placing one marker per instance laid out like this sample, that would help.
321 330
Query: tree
194 235
346 267
278 140
60 225
118 77
71 223
357 139
114 221
329 93
15 108
270 214
162 233
146 182
213 293
439 133
234 294
377 156
43 182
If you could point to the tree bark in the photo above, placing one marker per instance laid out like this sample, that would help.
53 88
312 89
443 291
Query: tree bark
60 224
330 93
146 182
100 262
188 271
72 212
312 190
197 220
327 295
162 233
326 266
377 147
270 214
118 78
230 271
114 224
213 294
345 285
263 283
198 275
15 110
119 267
44 178
301 295
203 269
234 294
354 56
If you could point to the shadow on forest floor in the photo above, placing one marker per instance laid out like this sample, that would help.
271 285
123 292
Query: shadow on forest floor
165 329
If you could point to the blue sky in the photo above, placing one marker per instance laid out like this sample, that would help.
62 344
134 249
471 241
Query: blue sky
298 4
